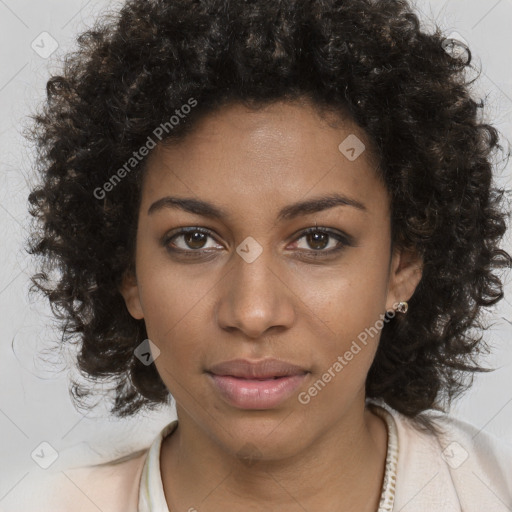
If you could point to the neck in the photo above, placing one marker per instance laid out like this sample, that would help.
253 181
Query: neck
342 469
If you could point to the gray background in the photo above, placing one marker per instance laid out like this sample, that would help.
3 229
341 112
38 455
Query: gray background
35 405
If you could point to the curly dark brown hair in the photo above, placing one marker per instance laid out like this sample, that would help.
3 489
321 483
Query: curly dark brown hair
404 86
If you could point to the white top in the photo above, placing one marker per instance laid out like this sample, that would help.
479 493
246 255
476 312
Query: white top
151 491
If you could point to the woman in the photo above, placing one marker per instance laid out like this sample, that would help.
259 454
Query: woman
283 216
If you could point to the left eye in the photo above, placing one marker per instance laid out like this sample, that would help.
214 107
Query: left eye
318 240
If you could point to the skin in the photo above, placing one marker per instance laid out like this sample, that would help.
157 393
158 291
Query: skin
330 453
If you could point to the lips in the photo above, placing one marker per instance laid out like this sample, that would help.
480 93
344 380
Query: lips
257 370
262 385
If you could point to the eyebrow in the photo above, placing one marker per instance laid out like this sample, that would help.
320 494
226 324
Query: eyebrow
289 212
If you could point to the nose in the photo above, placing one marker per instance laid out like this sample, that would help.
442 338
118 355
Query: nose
255 295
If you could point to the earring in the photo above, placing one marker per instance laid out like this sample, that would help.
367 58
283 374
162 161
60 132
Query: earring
402 307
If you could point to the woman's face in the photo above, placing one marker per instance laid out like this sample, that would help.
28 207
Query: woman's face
246 282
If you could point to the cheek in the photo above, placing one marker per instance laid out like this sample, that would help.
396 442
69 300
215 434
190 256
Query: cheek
175 316
175 313
347 314
349 298
345 351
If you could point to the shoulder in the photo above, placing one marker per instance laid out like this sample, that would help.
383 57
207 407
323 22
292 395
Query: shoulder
461 441
111 487
458 466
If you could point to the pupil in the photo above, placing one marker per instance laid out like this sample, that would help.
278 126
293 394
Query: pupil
195 238
318 237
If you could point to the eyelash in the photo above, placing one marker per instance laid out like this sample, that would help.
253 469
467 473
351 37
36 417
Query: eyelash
344 241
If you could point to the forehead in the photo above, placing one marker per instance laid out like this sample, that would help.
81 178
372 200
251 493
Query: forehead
251 159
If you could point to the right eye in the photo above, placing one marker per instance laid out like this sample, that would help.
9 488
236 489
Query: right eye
193 240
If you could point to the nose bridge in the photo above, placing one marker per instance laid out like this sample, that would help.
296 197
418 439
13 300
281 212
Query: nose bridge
254 267
255 298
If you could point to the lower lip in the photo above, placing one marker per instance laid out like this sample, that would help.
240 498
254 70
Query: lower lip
256 394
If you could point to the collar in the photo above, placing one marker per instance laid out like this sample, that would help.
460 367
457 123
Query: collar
151 490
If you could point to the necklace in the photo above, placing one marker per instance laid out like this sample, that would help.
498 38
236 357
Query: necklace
387 496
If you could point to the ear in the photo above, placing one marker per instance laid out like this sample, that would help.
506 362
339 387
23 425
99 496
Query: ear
406 269
129 289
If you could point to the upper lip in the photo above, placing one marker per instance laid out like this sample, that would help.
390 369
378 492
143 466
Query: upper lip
266 368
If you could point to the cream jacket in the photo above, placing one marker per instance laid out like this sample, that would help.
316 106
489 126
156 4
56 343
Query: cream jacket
463 470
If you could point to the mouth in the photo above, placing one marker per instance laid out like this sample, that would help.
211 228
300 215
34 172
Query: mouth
256 385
